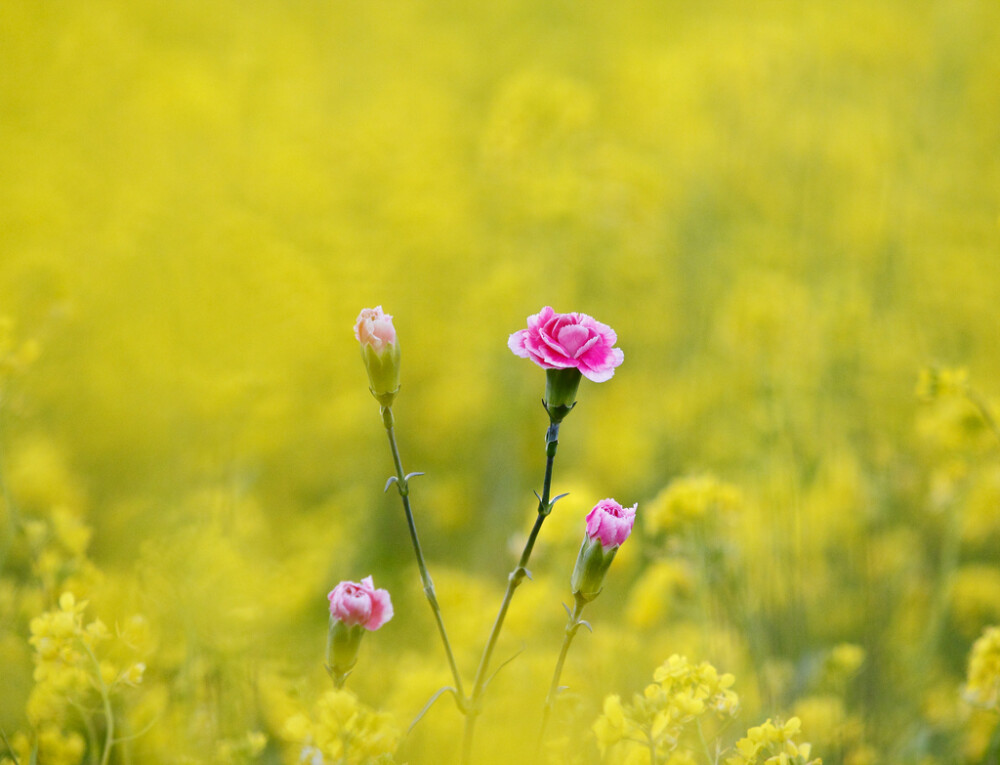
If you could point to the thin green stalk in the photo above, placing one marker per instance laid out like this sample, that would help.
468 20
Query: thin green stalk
109 715
572 627
704 744
513 580
404 493
10 749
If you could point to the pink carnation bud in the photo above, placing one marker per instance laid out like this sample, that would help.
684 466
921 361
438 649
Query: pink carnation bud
380 352
569 341
374 328
610 523
355 603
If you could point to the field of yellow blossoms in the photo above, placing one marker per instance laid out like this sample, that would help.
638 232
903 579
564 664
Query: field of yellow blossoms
789 213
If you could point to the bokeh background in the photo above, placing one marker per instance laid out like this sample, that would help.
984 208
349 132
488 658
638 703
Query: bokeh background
785 209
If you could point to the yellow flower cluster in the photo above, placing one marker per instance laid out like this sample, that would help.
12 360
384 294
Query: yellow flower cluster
240 750
342 730
51 747
77 666
771 744
656 720
66 663
983 682
845 659
687 500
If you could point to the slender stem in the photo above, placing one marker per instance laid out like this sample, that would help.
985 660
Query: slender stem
425 577
10 749
704 744
653 759
109 716
513 580
572 627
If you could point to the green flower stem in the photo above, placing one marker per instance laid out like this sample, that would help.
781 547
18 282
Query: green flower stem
572 627
109 715
653 759
513 580
425 577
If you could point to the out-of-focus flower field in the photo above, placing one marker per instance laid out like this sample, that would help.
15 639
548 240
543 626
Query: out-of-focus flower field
790 214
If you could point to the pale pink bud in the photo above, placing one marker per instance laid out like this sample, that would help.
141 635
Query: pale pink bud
374 328
380 352
610 523
355 603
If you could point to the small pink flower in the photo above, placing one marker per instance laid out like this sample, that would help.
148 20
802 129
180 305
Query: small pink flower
356 603
374 328
569 340
610 523
380 352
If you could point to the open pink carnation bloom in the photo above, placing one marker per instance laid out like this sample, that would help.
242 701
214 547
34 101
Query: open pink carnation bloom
569 340
360 603
374 328
610 522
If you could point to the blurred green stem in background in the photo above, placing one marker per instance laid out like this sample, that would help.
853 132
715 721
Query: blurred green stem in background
402 485
513 580
109 715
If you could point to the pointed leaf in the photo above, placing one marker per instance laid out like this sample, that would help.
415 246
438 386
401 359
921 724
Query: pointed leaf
430 703
497 670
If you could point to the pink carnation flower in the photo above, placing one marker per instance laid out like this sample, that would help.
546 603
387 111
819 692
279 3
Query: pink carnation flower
360 603
610 523
374 328
569 340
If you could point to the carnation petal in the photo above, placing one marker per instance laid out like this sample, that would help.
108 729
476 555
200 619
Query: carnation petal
543 354
597 375
516 343
572 339
381 610
535 320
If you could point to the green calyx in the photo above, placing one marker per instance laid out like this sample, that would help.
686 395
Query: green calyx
560 392
383 371
592 564
342 645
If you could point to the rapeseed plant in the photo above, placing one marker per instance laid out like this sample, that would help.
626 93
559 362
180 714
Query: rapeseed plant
786 212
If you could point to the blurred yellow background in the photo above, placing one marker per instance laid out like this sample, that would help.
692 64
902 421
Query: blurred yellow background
786 210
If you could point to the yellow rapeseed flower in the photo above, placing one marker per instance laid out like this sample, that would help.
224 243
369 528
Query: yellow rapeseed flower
982 686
